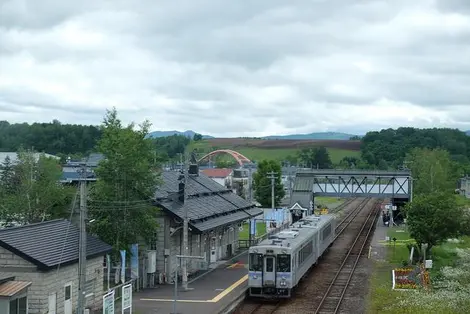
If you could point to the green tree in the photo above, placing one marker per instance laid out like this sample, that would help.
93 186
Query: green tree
432 171
127 179
197 137
31 191
262 184
8 180
433 218
317 157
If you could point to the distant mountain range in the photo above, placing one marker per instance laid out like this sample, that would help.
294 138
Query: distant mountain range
309 136
188 133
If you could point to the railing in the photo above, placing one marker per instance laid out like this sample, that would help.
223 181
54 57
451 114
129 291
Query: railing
246 243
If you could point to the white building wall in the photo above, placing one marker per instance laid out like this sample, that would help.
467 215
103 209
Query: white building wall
45 283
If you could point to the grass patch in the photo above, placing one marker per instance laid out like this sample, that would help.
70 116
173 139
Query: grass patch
245 233
327 200
462 201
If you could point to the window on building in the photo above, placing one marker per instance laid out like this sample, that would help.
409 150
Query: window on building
18 306
90 287
153 241
67 292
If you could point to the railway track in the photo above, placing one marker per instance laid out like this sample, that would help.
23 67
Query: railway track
334 294
261 307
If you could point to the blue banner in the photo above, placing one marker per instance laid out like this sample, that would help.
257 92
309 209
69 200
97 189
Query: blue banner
123 266
253 226
134 261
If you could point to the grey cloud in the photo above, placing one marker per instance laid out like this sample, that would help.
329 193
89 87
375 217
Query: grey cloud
219 65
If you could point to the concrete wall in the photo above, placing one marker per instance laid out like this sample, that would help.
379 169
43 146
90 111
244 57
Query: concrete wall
46 283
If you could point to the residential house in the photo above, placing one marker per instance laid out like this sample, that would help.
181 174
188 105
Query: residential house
223 176
45 254
71 170
13 296
215 215
465 186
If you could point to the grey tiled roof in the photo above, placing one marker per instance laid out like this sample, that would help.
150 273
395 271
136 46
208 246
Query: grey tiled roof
46 245
209 204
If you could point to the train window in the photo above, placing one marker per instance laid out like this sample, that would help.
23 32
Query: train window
283 263
270 264
256 262
326 231
305 252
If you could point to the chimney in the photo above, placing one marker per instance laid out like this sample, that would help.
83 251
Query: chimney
181 192
193 170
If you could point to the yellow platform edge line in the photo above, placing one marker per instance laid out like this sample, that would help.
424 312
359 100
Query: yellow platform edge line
216 299
173 300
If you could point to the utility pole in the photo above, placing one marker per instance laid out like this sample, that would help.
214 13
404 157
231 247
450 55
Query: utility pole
272 176
250 187
82 242
184 284
179 258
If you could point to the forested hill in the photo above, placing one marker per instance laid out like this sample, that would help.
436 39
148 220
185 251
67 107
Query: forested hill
52 138
384 149
388 148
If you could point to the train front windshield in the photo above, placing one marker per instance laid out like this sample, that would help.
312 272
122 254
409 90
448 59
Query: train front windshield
256 262
283 263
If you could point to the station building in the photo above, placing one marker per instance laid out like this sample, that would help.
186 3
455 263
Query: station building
215 215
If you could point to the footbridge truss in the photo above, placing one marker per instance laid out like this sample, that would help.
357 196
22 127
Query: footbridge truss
354 183
240 159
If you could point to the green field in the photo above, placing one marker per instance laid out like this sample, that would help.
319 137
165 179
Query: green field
280 154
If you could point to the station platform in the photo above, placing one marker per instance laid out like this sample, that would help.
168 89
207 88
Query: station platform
211 293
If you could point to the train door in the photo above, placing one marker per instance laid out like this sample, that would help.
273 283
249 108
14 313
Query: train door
269 277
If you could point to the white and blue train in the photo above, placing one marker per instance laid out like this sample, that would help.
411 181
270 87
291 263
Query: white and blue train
277 264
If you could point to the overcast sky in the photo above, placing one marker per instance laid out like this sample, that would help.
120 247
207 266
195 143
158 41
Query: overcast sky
238 68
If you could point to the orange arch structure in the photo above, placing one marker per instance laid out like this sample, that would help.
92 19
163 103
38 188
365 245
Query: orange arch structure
241 160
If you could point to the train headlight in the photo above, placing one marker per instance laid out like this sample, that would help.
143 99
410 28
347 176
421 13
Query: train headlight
283 283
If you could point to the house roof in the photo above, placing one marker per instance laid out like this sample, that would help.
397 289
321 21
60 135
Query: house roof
210 205
13 287
217 172
50 243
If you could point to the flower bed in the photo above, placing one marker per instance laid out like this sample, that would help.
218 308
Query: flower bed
405 278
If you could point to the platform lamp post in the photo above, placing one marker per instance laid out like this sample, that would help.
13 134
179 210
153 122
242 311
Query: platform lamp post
181 257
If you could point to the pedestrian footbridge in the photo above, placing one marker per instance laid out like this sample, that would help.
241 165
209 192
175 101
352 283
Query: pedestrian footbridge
351 183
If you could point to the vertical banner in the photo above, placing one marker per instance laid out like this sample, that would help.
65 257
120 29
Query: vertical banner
253 226
123 266
108 303
108 266
134 261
